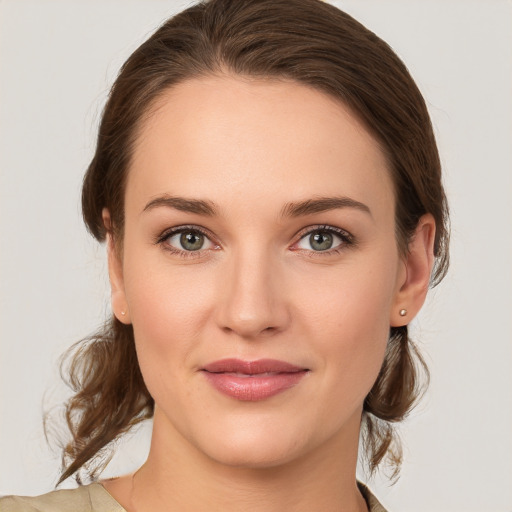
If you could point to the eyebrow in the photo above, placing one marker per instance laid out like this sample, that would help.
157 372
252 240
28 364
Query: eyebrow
292 209
322 204
198 206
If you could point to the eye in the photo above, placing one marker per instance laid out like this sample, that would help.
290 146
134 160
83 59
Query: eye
324 239
186 240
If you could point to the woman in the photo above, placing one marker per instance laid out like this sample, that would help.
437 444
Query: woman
268 184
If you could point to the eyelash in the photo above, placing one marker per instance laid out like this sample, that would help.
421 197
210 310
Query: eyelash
176 231
347 240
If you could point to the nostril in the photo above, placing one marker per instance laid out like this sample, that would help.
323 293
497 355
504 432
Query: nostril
266 330
269 331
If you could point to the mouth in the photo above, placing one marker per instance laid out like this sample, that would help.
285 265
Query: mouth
253 380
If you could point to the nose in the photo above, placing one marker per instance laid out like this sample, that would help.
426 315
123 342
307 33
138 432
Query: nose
252 299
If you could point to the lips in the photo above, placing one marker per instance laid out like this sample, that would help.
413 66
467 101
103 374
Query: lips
252 380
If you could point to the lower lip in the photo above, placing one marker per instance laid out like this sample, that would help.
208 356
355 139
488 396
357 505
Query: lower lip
253 387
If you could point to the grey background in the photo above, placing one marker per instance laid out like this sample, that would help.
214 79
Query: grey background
57 61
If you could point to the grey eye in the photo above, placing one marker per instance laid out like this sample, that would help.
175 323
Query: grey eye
189 241
320 240
192 241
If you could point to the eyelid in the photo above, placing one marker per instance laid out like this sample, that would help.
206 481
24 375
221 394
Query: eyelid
180 229
176 230
346 238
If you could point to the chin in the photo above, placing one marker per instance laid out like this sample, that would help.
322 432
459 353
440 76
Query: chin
255 454
256 443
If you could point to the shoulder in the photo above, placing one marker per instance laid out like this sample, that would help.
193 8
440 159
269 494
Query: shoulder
86 498
94 498
373 503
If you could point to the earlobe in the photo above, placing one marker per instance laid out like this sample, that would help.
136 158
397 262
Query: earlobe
418 264
115 272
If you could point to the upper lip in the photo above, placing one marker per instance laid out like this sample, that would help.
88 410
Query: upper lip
251 367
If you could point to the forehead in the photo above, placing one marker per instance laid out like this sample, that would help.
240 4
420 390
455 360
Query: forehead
265 140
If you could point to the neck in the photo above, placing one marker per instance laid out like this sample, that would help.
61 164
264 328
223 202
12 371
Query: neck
177 476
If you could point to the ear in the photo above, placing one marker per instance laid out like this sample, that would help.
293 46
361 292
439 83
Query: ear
415 275
115 273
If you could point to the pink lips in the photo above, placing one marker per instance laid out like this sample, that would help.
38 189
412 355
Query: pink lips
252 380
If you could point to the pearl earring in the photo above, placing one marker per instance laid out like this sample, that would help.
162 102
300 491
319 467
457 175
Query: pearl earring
123 313
403 312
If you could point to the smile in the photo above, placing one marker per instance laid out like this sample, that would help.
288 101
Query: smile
252 380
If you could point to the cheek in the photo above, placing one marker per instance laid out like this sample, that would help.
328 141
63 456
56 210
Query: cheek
352 301
168 307
166 317
348 316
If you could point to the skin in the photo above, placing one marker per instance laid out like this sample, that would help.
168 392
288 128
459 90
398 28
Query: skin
259 289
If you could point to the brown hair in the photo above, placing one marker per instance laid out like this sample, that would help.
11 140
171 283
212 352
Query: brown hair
310 42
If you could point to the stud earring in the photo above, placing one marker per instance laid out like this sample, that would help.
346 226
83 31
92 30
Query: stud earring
403 312
123 313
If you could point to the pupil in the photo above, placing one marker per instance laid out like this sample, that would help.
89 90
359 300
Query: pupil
191 241
321 241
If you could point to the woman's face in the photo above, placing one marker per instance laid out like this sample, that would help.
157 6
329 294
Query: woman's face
259 226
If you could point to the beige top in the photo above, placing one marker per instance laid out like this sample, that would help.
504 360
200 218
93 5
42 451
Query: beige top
94 498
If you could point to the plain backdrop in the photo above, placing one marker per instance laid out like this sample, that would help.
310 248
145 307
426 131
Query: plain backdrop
57 62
